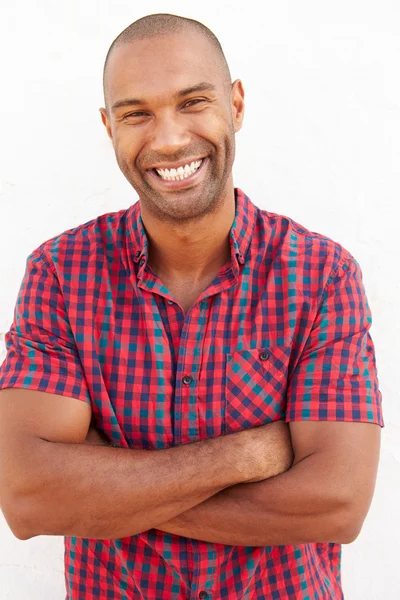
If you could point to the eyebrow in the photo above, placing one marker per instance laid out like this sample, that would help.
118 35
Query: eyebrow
204 86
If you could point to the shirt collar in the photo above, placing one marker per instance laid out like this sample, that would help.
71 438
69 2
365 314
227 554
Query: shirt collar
240 233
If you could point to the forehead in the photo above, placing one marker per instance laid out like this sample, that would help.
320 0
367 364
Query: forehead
160 66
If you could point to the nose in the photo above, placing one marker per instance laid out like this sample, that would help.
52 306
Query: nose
170 135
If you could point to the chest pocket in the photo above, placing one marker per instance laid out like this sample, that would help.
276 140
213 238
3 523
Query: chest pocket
256 381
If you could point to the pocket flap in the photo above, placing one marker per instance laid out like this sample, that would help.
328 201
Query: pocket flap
256 381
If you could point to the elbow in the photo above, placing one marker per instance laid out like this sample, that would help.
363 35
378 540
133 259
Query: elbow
25 500
20 497
356 510
17 521
15 508
347 525
22 534
349 532
348 507
338 519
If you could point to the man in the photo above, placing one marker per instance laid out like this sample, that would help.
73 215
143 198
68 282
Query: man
177 338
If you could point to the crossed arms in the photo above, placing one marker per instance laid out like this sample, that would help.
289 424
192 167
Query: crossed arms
246 488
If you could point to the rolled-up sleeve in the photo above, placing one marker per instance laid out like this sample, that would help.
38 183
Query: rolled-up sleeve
41 351
336 377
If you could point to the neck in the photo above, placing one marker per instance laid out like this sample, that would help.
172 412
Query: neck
193 250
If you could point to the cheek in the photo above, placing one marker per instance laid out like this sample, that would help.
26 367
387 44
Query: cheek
224 133
126 149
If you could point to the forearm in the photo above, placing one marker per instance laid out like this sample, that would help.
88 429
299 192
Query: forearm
292 508
107 493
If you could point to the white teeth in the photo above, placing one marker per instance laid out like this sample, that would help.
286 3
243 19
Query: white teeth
181 173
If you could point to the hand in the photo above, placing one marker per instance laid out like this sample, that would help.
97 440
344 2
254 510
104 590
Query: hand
97 437
269 450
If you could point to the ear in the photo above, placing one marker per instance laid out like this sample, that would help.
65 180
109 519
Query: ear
237 99
106 121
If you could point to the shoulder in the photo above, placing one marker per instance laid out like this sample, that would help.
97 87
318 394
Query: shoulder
85 240
303 249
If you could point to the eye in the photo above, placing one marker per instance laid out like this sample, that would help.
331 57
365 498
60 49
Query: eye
194 101
134 114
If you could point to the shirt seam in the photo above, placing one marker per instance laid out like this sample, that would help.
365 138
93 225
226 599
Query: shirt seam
346 259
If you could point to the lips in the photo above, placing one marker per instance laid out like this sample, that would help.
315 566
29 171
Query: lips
175 166
179 184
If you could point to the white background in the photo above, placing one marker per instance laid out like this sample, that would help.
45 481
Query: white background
320 143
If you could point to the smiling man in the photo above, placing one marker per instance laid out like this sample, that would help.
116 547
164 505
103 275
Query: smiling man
190 392
174 138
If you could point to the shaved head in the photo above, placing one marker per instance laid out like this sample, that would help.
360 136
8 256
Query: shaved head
170 105
163 25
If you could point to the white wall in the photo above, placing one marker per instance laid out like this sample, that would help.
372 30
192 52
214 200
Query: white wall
320 143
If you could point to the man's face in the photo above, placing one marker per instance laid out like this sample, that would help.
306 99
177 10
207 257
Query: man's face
156 122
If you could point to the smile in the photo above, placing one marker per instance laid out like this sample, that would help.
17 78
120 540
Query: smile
180 177
182 172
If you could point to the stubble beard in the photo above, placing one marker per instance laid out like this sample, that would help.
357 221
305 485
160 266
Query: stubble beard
181 206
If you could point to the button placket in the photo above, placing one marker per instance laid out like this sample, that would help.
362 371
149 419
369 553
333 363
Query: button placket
189 360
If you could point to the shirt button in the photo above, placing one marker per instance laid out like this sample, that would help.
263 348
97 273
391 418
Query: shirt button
137 253
170 301
141 261
203 594
186 380
264 355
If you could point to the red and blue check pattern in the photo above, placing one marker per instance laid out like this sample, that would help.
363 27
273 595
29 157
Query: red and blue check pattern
281 332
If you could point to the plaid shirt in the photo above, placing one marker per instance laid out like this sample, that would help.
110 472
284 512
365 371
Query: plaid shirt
281 332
